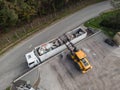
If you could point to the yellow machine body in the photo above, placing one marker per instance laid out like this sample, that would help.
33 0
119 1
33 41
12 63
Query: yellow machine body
79 57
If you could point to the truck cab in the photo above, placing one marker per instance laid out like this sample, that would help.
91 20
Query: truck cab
32 59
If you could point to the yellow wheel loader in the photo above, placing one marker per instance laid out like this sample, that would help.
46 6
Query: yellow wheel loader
78 56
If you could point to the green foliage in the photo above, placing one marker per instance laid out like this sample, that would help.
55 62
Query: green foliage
108 22
112 21
25 11
8 88
18 11
8 17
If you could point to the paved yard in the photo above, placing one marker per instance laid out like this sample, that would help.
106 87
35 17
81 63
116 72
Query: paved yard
60 73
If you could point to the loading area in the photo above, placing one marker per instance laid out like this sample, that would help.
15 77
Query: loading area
59 73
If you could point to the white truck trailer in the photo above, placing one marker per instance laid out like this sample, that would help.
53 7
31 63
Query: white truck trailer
44 51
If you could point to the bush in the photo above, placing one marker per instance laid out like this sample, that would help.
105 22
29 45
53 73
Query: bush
8 88
113 22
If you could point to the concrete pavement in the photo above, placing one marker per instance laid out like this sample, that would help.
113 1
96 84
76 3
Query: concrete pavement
60 73
13 63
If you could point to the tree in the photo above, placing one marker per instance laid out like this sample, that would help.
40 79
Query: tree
8 17
24 10
113 21
18 11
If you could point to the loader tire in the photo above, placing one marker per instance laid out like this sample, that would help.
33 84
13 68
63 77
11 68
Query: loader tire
77 66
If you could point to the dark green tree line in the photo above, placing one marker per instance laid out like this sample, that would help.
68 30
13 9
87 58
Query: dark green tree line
13 12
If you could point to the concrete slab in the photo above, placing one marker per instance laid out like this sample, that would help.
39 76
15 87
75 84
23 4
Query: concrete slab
60 73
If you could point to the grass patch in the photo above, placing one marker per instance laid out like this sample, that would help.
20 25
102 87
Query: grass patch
15 35
95 22
8 88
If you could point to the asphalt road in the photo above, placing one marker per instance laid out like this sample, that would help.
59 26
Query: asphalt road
13 63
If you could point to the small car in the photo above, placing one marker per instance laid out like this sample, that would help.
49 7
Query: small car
109 42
